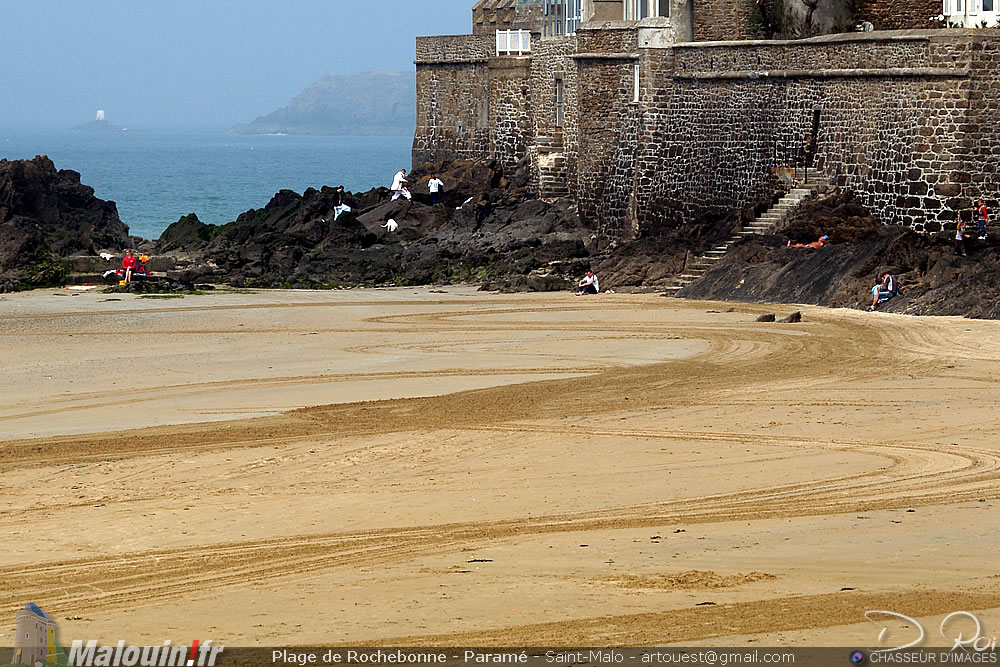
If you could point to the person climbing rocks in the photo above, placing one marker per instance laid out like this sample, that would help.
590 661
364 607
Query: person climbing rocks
434 186
339 205
959 241
588 284
399 186
818 243
884 290
981 216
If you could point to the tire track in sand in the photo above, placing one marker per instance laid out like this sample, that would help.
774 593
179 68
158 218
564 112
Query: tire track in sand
744 358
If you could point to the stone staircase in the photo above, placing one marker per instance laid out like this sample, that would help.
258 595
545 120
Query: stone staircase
552 171
768 221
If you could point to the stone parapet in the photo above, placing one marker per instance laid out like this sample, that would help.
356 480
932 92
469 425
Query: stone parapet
846 51
455 49
607 37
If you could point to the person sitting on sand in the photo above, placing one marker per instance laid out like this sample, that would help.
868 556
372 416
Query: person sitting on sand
588 284
128 265
884 290
818 243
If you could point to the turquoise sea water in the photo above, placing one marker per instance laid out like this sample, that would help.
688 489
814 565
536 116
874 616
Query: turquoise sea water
156 177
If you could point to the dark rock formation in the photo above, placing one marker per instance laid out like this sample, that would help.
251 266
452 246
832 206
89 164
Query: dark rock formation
46 215
841 274
485 228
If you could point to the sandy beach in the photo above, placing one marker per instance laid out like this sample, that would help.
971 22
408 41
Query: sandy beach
421 466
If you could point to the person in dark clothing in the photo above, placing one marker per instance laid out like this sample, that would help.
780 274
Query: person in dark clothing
339 205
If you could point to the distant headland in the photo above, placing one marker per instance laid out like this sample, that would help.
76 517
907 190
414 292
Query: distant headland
372 103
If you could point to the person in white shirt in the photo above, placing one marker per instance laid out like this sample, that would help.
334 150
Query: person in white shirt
588 284
435 185
399 186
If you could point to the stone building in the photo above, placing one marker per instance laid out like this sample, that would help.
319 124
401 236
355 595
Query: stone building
646 124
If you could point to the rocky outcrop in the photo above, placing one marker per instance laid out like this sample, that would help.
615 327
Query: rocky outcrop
484 228
46 215
841 274
488 229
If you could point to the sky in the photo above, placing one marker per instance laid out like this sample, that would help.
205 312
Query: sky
154 64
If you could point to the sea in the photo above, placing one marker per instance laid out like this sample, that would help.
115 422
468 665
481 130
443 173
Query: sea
157 177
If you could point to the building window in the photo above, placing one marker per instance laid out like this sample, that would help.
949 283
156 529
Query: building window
987 5
560 109
640 9
574 15
561 17
635 83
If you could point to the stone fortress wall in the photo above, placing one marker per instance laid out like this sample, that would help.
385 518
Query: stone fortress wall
905 119
892 111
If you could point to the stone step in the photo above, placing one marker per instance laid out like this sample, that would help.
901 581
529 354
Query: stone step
85 279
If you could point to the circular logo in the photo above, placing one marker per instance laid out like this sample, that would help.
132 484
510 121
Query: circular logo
857 658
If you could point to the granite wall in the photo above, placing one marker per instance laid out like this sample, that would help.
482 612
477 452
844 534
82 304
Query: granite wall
453 93
902 14
892 114
512 123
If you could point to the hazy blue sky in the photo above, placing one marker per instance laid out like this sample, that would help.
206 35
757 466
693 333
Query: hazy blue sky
209 63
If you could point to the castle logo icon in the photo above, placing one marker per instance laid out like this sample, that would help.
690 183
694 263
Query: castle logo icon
35 641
